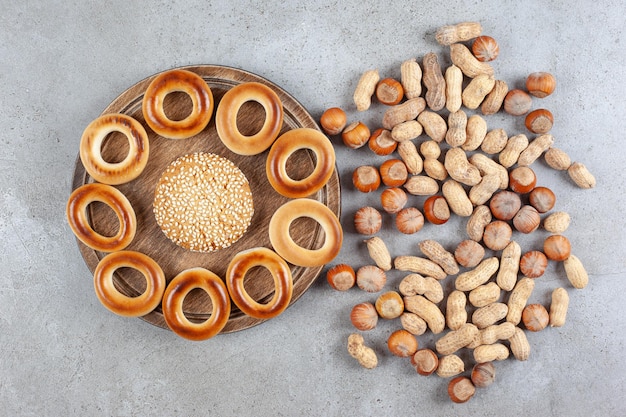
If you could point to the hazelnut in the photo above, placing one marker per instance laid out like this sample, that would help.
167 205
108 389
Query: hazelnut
485 48
367 220
393 199
341 277
540 84
483 374
425 361
366 178
333 121
542 199
527 220
381 142
539 121
389 305
469 253
533 264
535 317
522 179
389 91
517 102
504 205
355 135
364 316
497 235
557 247
393 172
461 389
436 209
409 220
370 278
402 343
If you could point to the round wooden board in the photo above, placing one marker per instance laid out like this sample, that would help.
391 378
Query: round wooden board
140 192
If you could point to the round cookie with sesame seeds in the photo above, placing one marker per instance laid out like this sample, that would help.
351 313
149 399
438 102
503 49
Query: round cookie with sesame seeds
203 202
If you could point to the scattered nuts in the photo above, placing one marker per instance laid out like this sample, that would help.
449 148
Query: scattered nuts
463 58
482 192
509 266
522 179
333 121
413 323
468 280
389 305
409 220
406 131
366 178
518 298
487 166
402 343
403 112
367 221
542 199
581 176
535 317
364 316
393 199
365 89
427 310
411 78
456 314
370 278
381 142
534 149
494 142
412 160
439 255
457 198
379 253
449 366
469 253
457 125
491 334
421 185
476 91
461 32
480 218
511 152
434 82
497 235
459 168
576 272
456 339
540 84
461 389
389 91
436 209
557 222
504 205
517 102
425 361
488 315
557 159
364 354
341 277
419 265
533 264
434 125
476 131
393 172
558 307
484 294
485 48
355 135
483 374
520 348
494 100
526 220
454 88
539 121
415 284
489 353
557 247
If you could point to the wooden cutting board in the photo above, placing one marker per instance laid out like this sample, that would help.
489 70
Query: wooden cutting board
151 241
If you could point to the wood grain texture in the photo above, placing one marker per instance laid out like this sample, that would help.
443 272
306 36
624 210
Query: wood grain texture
151 241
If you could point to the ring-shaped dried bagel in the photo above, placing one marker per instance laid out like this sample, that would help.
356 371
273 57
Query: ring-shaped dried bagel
122 304
239 266
177 290
286 247
284 147
178 80
228 109
91 146
76 213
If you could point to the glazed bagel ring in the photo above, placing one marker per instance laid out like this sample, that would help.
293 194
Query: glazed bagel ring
91 146
175 294
228 109
122 304
184 81
76 213
283 282
284 147
286 247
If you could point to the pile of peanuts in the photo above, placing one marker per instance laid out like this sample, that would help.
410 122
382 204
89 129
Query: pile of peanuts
460 168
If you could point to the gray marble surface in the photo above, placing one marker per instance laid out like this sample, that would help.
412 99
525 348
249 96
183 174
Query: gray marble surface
62 353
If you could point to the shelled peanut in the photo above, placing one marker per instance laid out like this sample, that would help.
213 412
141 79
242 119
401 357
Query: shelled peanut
462 168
